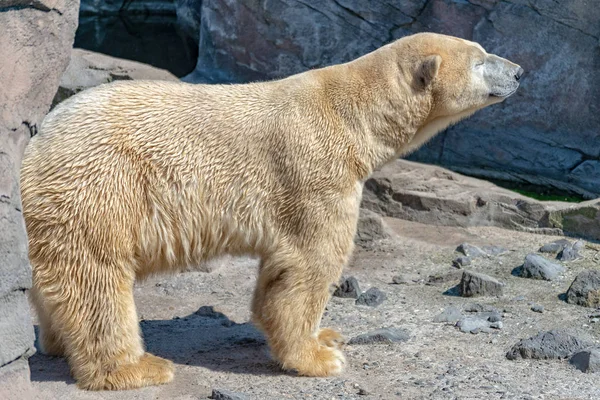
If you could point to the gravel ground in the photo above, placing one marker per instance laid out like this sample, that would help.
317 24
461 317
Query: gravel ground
199 320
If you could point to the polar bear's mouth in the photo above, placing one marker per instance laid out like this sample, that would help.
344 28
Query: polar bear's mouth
507 94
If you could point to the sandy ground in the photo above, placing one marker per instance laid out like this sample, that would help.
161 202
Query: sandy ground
437 362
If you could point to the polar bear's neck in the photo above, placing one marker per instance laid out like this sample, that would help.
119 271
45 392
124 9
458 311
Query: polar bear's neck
380 114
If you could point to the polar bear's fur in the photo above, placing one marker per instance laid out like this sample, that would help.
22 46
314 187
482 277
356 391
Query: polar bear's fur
134 178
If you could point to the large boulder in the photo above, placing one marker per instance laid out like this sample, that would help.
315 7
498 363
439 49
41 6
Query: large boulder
547 134
35 43
434 195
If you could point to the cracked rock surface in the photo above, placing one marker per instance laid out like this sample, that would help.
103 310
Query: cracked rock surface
35 43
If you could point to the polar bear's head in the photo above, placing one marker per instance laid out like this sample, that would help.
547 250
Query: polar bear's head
455 76
460 75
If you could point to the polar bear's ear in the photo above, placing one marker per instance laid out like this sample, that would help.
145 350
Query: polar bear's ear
428 69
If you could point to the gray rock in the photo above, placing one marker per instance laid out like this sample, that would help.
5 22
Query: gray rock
537 308
587 360
372 298
585 289
476 284
35 43
450 314
470 251
473 325
348 288
15 382
461 262
554 247
224 394
497 325
384 335
370 229
538 267
548 345
571 252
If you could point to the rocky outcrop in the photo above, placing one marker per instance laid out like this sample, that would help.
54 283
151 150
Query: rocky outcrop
547 134
434 195
35 42
88 69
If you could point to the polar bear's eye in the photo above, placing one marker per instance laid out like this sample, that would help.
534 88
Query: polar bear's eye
479 63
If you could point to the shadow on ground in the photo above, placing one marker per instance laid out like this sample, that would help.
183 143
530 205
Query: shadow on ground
206 338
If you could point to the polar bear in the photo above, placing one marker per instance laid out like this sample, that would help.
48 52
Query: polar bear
134 178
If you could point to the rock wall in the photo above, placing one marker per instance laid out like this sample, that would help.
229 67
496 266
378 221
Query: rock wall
35 45
547 134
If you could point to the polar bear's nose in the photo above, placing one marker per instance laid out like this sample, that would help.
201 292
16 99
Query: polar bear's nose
519 73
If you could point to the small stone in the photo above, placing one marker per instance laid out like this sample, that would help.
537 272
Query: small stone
538 267
372 298
585 289
548 345
363 392
223 394
472 324
587 360
470 251
476 284
571 252
537 308
383 335
497 325
554 247
450 314
348 288
370 229
462 261
495 317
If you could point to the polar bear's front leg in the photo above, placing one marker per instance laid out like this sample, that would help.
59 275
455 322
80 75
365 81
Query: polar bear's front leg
290 298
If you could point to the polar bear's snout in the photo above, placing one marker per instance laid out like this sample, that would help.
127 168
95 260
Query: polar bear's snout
501 76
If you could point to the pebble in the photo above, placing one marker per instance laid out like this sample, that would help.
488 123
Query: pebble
553 344
585 289
537 308
538 267
348 288
462 261
223 394
372 298
383 335
587 360
476 284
